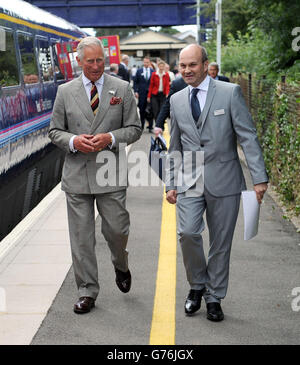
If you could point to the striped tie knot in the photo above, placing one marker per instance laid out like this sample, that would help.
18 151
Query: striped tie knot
94 98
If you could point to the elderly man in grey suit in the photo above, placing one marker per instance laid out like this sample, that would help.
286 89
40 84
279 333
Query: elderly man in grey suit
94 117
209 117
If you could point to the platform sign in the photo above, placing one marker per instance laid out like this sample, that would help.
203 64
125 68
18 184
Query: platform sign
67 52
112 44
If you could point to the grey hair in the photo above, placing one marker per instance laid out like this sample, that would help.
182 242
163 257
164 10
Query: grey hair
214 64
125 57
114 67
88 42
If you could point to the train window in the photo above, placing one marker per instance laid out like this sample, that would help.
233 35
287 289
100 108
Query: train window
9 75
45 61
59 72
29 65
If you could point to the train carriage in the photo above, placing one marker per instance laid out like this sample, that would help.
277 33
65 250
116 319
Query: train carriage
35 57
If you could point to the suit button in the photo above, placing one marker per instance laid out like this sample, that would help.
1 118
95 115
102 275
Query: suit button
202 145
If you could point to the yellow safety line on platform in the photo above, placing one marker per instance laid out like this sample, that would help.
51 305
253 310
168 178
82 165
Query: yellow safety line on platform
163 317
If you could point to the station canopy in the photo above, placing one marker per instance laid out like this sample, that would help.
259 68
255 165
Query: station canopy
125 13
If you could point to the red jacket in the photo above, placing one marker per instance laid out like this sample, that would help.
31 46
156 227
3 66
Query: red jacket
154 84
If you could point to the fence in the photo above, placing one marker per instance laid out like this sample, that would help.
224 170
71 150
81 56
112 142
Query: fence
275 108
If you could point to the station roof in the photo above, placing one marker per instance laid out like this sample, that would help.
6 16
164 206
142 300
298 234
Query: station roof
151 40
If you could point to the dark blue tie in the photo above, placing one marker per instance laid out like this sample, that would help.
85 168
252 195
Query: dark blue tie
196 111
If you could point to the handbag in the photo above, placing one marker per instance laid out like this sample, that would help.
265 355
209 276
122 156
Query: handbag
158 155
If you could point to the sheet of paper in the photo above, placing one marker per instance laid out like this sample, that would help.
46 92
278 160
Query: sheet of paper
251 209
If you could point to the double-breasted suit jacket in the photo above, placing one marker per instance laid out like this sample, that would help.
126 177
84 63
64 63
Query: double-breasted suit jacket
72 115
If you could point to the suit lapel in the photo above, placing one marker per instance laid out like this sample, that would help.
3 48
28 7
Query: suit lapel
104 102
81 98
209 98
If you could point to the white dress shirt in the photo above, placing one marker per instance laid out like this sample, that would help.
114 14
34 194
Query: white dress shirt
203 87
146 72
88 87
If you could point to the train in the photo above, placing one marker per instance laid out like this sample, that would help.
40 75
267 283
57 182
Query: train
36 56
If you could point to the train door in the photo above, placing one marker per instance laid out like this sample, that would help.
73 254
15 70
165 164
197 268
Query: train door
46 72
59 70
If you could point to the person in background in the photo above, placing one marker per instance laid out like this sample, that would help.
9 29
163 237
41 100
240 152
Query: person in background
123 68
133 72
213 70
141 86
177 85
171 74
114 68
159 88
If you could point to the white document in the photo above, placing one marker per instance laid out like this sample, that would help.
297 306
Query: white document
251 209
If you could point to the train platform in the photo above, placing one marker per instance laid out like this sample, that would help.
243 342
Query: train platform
38 291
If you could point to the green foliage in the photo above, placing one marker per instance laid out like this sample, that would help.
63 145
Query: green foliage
277 19
235 17
257 36
168 30
281 146
121 32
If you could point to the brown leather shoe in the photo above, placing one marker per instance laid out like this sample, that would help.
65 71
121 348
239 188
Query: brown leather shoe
123 280
84 305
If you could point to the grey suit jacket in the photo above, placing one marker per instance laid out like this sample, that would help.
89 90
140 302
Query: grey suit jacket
72 115
224 120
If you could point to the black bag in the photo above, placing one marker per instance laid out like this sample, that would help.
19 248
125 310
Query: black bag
157 156
149 112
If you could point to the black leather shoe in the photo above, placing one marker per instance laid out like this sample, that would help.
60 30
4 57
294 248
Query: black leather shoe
84 305
214 312
193 301
123 280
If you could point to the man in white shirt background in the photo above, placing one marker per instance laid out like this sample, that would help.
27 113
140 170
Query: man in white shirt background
141 87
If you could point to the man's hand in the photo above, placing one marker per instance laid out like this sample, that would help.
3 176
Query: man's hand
171 196
157 131
83 143
148 100
136 95
101 141
260 189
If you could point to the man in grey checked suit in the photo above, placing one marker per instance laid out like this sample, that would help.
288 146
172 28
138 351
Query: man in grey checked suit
89 131
210 120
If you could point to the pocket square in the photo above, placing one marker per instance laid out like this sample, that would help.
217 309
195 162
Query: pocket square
219 112
114 100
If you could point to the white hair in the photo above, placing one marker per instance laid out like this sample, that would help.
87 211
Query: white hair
88 42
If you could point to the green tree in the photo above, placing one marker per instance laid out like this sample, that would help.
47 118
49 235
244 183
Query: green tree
277 19
121 32
168 30
235 17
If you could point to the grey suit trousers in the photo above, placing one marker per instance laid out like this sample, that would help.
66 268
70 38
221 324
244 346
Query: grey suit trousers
115 229
221 216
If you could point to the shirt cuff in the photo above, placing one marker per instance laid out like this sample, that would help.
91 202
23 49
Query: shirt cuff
113 141
71 144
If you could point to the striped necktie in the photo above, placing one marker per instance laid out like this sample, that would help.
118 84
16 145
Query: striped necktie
94 98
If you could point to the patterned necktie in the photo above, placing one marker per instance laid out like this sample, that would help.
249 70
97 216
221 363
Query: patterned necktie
94 98
196 111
